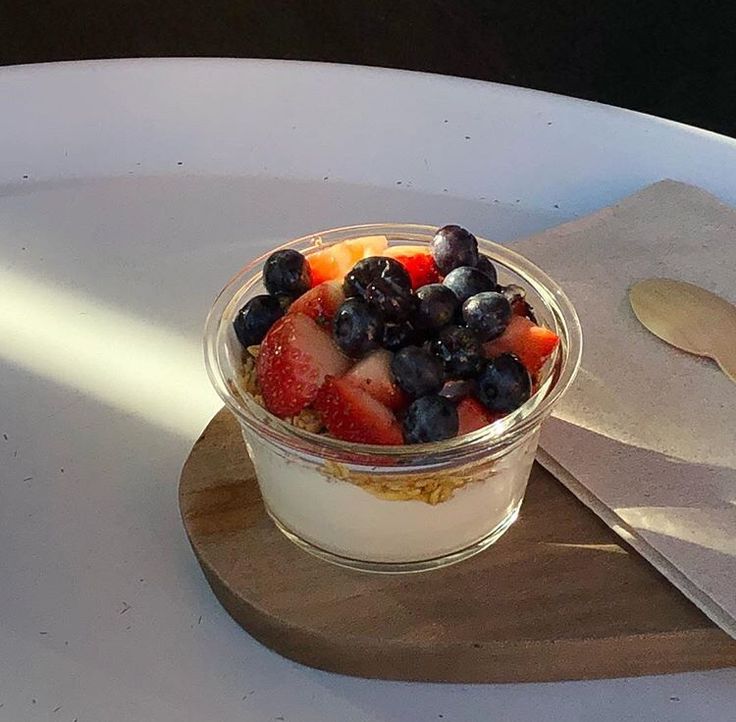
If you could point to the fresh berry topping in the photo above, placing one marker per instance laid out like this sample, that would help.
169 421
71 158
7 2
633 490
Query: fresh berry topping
532 344
457 389
488 314
294 359
373 375
417 371
333 262
452 247
393 301
484 265
460 351
437 306
287 272
418 262
350 414
504 384
320 303
420 331
370 269
430 418
357 327
398 335
252 322
472 415
466 282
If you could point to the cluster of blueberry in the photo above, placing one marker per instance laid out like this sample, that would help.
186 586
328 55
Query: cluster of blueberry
435 332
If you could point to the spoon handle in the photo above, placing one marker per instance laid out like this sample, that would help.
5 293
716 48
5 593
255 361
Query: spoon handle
726 358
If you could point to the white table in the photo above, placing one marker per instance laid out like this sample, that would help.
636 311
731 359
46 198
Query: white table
130 191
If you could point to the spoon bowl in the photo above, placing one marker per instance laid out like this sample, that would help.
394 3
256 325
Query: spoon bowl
689 318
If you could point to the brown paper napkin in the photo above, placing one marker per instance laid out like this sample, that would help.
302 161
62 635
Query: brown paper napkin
647 436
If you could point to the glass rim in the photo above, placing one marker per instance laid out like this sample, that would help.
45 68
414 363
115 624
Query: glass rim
501 434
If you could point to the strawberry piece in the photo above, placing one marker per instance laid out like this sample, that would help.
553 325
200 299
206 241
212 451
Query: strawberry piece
293 361
530 343
335 261
320 302
373 375
418 262
351 414
329 264
472 415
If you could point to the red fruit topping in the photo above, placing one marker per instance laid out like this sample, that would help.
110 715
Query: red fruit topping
472 415
320 302
373 375
350 414
530 343
418 262
294 359
333 262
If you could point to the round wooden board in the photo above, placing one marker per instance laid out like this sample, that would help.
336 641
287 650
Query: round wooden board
558 597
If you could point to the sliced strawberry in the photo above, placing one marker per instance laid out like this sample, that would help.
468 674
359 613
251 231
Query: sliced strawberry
373 375
532 344
320 302
329 264
293 361
333 262
365 247
353 415
418 262
472 415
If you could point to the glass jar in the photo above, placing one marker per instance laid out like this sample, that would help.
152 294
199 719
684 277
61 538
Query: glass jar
393 508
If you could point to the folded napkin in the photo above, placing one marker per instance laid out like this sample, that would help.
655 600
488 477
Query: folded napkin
647 436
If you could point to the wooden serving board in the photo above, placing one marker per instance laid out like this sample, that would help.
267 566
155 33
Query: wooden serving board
558 597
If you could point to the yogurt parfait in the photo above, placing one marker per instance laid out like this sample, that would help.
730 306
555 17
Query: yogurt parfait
390 382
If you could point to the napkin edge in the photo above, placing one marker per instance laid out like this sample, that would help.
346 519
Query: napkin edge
697 596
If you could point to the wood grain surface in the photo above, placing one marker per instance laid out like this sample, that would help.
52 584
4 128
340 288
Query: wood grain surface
558 597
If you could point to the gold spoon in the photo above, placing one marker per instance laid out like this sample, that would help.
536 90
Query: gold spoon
688 317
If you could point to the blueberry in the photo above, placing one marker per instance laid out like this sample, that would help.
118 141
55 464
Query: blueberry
431 418
452 247
287 272
460 351
436 307
488 314
466 282
417 371
504 384
394 301
357 327
484 265
368 270
457 389
252 322
398 335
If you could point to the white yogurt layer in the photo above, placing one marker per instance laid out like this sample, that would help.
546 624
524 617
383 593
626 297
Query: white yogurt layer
349 521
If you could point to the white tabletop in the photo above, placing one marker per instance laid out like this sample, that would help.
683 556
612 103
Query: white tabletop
129 193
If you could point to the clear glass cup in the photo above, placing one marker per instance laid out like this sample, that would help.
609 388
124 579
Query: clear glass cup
393 508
